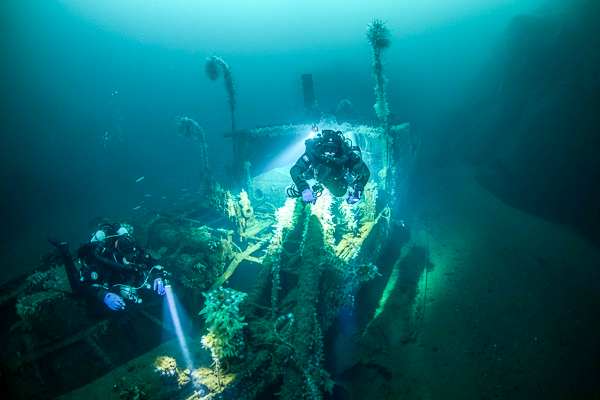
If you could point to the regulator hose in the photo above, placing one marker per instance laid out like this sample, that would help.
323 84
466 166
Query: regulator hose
112 264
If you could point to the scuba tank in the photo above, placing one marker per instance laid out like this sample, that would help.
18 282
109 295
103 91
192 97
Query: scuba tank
355 154
352 141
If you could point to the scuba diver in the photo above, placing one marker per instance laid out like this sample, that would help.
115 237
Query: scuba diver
334 162
113 268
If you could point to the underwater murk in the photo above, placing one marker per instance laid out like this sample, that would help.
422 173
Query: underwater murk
270 296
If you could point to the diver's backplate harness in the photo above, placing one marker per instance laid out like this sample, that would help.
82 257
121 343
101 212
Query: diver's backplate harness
316 156
136 273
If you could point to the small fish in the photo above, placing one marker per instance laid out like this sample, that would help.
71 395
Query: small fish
137 208
164 197
184 190
139 179
148 195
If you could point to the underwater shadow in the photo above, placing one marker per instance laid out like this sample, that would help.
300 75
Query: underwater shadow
389 312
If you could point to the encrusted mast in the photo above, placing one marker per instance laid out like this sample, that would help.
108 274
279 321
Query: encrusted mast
190 128
213 68
379 39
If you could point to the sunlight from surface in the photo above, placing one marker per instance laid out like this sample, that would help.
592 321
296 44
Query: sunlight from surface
279 26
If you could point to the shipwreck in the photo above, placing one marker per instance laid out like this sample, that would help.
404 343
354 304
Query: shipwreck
258 279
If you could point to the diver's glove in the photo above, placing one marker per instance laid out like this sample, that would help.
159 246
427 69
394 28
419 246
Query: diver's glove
309 196
159 286
353 196
114 302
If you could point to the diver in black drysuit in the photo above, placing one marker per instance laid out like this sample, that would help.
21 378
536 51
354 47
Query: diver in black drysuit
113 268
330 161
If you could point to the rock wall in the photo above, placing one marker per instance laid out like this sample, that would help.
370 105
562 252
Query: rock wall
533 127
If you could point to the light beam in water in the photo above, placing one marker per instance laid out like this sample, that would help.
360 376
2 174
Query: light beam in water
172 302
289 154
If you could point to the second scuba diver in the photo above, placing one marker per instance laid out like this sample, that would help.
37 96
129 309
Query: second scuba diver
113 268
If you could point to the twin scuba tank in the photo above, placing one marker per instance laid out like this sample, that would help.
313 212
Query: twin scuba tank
108 230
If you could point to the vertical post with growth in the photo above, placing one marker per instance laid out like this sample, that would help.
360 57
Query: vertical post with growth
190 128
213 68
379 39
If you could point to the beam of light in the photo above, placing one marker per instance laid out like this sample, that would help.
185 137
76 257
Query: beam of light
172 301
290 154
